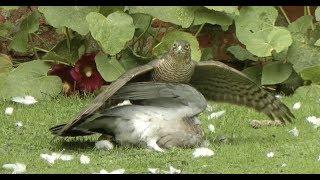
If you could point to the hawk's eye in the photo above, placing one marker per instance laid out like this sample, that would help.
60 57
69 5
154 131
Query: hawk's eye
174 46
187 47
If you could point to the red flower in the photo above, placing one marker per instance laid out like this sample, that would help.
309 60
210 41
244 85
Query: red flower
63 71
86 74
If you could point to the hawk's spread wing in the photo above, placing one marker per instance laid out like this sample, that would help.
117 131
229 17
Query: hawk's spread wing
221 83
107 93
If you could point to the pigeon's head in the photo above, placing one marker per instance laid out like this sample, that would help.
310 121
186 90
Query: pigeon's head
181 51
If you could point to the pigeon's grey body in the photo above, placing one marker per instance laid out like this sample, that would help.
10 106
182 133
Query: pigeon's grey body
161 114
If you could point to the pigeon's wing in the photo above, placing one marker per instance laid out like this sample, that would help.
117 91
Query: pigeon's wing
163 94
221 83
107 93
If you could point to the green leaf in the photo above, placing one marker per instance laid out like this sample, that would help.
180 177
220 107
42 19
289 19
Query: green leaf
73 17
167 41
109 68
112 32
255 29
317 13
61 51
30 78
141 21
204 15
275 72
30 24
5 63
254 73
241 53
226 9
180 15
128 60
5 28
301 25
312 74
106 10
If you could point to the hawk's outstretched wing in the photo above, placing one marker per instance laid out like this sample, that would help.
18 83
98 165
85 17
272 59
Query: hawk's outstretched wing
105 95
221 83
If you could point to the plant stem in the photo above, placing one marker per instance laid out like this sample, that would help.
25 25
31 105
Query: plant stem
54 61
33 47
309 13
136 40
284 14
304 10
199 29
43 41
68 39
40 49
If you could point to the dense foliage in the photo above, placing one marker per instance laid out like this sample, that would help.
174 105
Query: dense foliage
98 44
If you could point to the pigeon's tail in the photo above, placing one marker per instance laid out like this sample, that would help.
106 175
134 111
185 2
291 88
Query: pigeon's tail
56 130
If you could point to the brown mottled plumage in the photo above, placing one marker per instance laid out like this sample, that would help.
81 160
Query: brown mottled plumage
215 80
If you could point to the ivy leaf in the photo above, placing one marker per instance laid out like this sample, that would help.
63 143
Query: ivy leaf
275 72
254 73
301 25
226 9
180 15
106 10
128 60
241 53
30 78
317 13
167 41
73 17
141 21
30 24
255 29
312 74
112 32
61 51
5 63
204 15
109 68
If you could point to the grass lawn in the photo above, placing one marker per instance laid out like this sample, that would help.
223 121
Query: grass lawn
244 152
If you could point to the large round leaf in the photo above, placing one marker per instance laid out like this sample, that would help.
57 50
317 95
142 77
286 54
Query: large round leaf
172 36
227 9
109 68
317 13
180 15
255 29
30 78
312 74
73 17
275 72
241 53
204 15
30 24
112 32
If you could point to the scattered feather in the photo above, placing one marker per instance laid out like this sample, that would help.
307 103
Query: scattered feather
104 144
314 120
284 165
296 105
8 111
278 96
17 168
294 132
209 107
118 171
319 158
260 123
84 159
66 157
211 128
206 143
153 170
173 170
202 152
125 102
216 115
18 124
50 158
27 100
270 154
